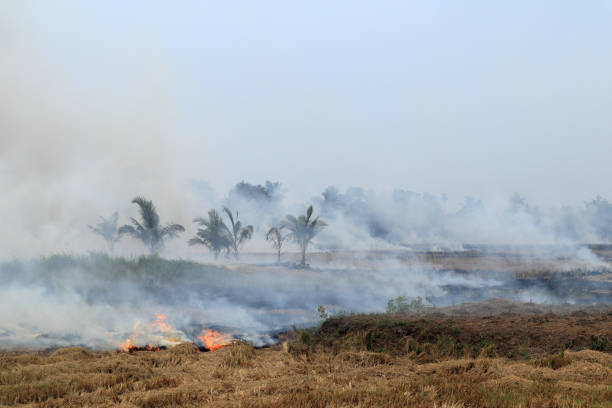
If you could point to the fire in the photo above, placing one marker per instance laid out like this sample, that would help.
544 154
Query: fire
159 334
214 340
152 337
126 345
161 323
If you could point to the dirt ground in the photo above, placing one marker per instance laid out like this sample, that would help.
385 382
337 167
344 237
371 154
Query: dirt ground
403 361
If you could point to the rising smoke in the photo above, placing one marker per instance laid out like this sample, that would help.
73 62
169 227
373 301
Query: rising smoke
82 133
96 301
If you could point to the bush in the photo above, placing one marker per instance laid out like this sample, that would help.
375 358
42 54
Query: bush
600 344
401 305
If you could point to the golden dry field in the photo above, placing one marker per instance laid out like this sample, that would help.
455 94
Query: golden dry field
363 361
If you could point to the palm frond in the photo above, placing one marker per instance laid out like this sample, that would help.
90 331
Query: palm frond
148 212
114 218
229 215
290 223
196 241
172 230
128 230
200 220
246 233
273 234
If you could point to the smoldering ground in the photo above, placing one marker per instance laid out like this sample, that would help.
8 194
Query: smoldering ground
96 300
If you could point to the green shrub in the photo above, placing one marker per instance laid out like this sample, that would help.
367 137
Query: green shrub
600 344
401 304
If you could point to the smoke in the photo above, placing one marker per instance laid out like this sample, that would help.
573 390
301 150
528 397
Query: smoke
91 117
95 109
364 220
71 150
97 301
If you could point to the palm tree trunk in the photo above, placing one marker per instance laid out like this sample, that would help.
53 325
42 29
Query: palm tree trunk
278 256
303 263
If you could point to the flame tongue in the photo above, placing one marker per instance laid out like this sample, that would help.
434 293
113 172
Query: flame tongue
154 336
126 345
159 334
161 323
214 340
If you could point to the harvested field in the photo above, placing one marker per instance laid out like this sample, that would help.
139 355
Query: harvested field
337 366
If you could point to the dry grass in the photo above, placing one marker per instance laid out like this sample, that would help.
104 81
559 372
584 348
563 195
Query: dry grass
432 362
239 355
239 376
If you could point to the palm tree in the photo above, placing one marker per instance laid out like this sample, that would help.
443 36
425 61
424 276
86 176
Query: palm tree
215 235
275 236
148 229
107 229
238 233
302 230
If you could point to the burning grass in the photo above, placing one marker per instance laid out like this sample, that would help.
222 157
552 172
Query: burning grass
332 367
164 335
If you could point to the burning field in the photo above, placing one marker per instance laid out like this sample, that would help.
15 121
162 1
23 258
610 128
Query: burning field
305 204
380 328
362 360
102 302
159 335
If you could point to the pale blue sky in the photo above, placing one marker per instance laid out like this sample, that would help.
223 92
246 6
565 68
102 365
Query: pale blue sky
475 97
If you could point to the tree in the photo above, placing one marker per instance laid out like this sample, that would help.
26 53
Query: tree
215 235
302 230
275 236
600 212
238 233
107 229
148 229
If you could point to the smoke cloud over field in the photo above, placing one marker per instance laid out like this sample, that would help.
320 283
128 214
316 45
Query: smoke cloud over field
97 301
109 101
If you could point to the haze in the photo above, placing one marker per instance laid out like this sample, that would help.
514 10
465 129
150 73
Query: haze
104 101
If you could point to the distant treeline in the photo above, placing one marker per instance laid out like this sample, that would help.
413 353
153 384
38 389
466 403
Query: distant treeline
361 218
358 216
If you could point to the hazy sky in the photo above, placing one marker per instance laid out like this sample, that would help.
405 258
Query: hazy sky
479 98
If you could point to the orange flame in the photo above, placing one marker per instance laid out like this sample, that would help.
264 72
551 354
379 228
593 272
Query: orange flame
161 323
159 329
214 340
126 345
